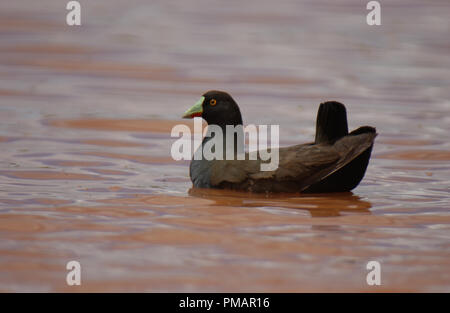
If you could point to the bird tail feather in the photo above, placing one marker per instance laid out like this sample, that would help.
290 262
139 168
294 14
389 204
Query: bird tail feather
331 122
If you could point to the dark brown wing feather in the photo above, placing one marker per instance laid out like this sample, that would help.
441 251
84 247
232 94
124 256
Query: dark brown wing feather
299 166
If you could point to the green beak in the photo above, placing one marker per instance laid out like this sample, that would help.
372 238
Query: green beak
195 110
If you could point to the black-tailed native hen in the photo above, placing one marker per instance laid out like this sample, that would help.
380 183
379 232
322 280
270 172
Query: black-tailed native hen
335 162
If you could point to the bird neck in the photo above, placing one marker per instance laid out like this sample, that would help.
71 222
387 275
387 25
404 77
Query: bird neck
230 137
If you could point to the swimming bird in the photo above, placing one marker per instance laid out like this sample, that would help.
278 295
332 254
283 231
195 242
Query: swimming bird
335 162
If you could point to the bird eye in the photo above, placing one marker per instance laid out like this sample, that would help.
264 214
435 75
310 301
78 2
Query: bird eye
213 102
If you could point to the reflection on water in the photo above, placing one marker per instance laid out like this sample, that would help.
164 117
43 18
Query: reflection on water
85 166
321 205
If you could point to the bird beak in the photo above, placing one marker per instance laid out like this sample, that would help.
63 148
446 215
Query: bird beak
195 110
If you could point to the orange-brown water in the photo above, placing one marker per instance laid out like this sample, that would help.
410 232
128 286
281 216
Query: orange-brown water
85 166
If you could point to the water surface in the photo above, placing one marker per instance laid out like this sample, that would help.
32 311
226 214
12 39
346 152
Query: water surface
85 166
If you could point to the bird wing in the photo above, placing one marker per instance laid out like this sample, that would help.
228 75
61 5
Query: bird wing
305 164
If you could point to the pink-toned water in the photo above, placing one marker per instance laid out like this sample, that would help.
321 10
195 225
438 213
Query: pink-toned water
85 166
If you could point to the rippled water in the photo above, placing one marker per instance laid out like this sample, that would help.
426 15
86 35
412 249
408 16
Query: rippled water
85 166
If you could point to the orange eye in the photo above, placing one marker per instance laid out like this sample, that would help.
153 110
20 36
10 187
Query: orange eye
212 102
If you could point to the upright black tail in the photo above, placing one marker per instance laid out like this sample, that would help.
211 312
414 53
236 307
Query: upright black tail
331 123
